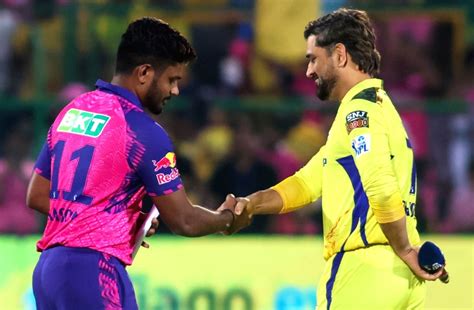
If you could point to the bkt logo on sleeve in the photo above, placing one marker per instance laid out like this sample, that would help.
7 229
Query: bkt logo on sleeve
361 144
83 123
168 161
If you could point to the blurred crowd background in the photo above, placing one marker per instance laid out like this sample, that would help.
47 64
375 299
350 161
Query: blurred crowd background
247 117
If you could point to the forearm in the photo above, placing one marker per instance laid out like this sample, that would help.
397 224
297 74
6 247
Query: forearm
202 221
397 236
266 201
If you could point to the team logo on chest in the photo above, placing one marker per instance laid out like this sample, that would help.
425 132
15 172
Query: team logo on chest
356 119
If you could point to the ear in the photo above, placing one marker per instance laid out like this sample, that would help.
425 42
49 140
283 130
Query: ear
340 55
145 73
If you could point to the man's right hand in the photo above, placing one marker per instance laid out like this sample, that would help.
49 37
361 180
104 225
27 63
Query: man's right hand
243 218
261 202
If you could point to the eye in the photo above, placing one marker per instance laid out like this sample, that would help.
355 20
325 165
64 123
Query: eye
174 80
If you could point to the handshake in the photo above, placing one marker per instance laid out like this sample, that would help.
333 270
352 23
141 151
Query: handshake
242 212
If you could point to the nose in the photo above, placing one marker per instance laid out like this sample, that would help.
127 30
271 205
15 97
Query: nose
310 74
175 91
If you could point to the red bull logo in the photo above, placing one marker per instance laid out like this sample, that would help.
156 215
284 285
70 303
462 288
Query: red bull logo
168 161
163 178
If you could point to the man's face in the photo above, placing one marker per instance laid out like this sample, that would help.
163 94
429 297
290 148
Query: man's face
163 86
320 68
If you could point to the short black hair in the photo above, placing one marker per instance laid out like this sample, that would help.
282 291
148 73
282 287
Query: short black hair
351 28
151 40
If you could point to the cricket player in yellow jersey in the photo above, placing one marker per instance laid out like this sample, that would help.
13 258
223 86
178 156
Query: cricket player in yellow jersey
365 175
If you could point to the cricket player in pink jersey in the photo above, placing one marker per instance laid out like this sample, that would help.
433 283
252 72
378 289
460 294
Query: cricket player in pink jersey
102 154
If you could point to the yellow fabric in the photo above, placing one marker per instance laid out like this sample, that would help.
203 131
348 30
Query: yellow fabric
372 278
388 211
212 146
279 28
305 139
294 194
382 174
262 75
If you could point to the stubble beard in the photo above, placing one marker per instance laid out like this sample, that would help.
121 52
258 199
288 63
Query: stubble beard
326 87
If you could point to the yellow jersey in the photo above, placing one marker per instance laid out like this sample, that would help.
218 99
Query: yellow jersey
365 173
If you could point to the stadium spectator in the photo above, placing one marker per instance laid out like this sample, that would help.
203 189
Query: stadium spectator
462 123
272 149
15 169
234 68
306 137
242 172
460 216
212 144
8 24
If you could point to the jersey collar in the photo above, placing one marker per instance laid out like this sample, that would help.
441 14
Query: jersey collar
119 91
368 83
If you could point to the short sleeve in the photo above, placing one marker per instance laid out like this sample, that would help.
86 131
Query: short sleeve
152 156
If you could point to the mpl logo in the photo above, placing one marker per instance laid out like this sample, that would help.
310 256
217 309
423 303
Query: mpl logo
83 123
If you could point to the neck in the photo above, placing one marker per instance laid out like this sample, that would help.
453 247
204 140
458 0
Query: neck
123 81
346 83
126 82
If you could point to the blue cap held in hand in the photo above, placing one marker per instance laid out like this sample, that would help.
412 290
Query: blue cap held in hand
430 257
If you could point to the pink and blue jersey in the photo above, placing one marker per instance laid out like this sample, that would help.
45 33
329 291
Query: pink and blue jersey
102 154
